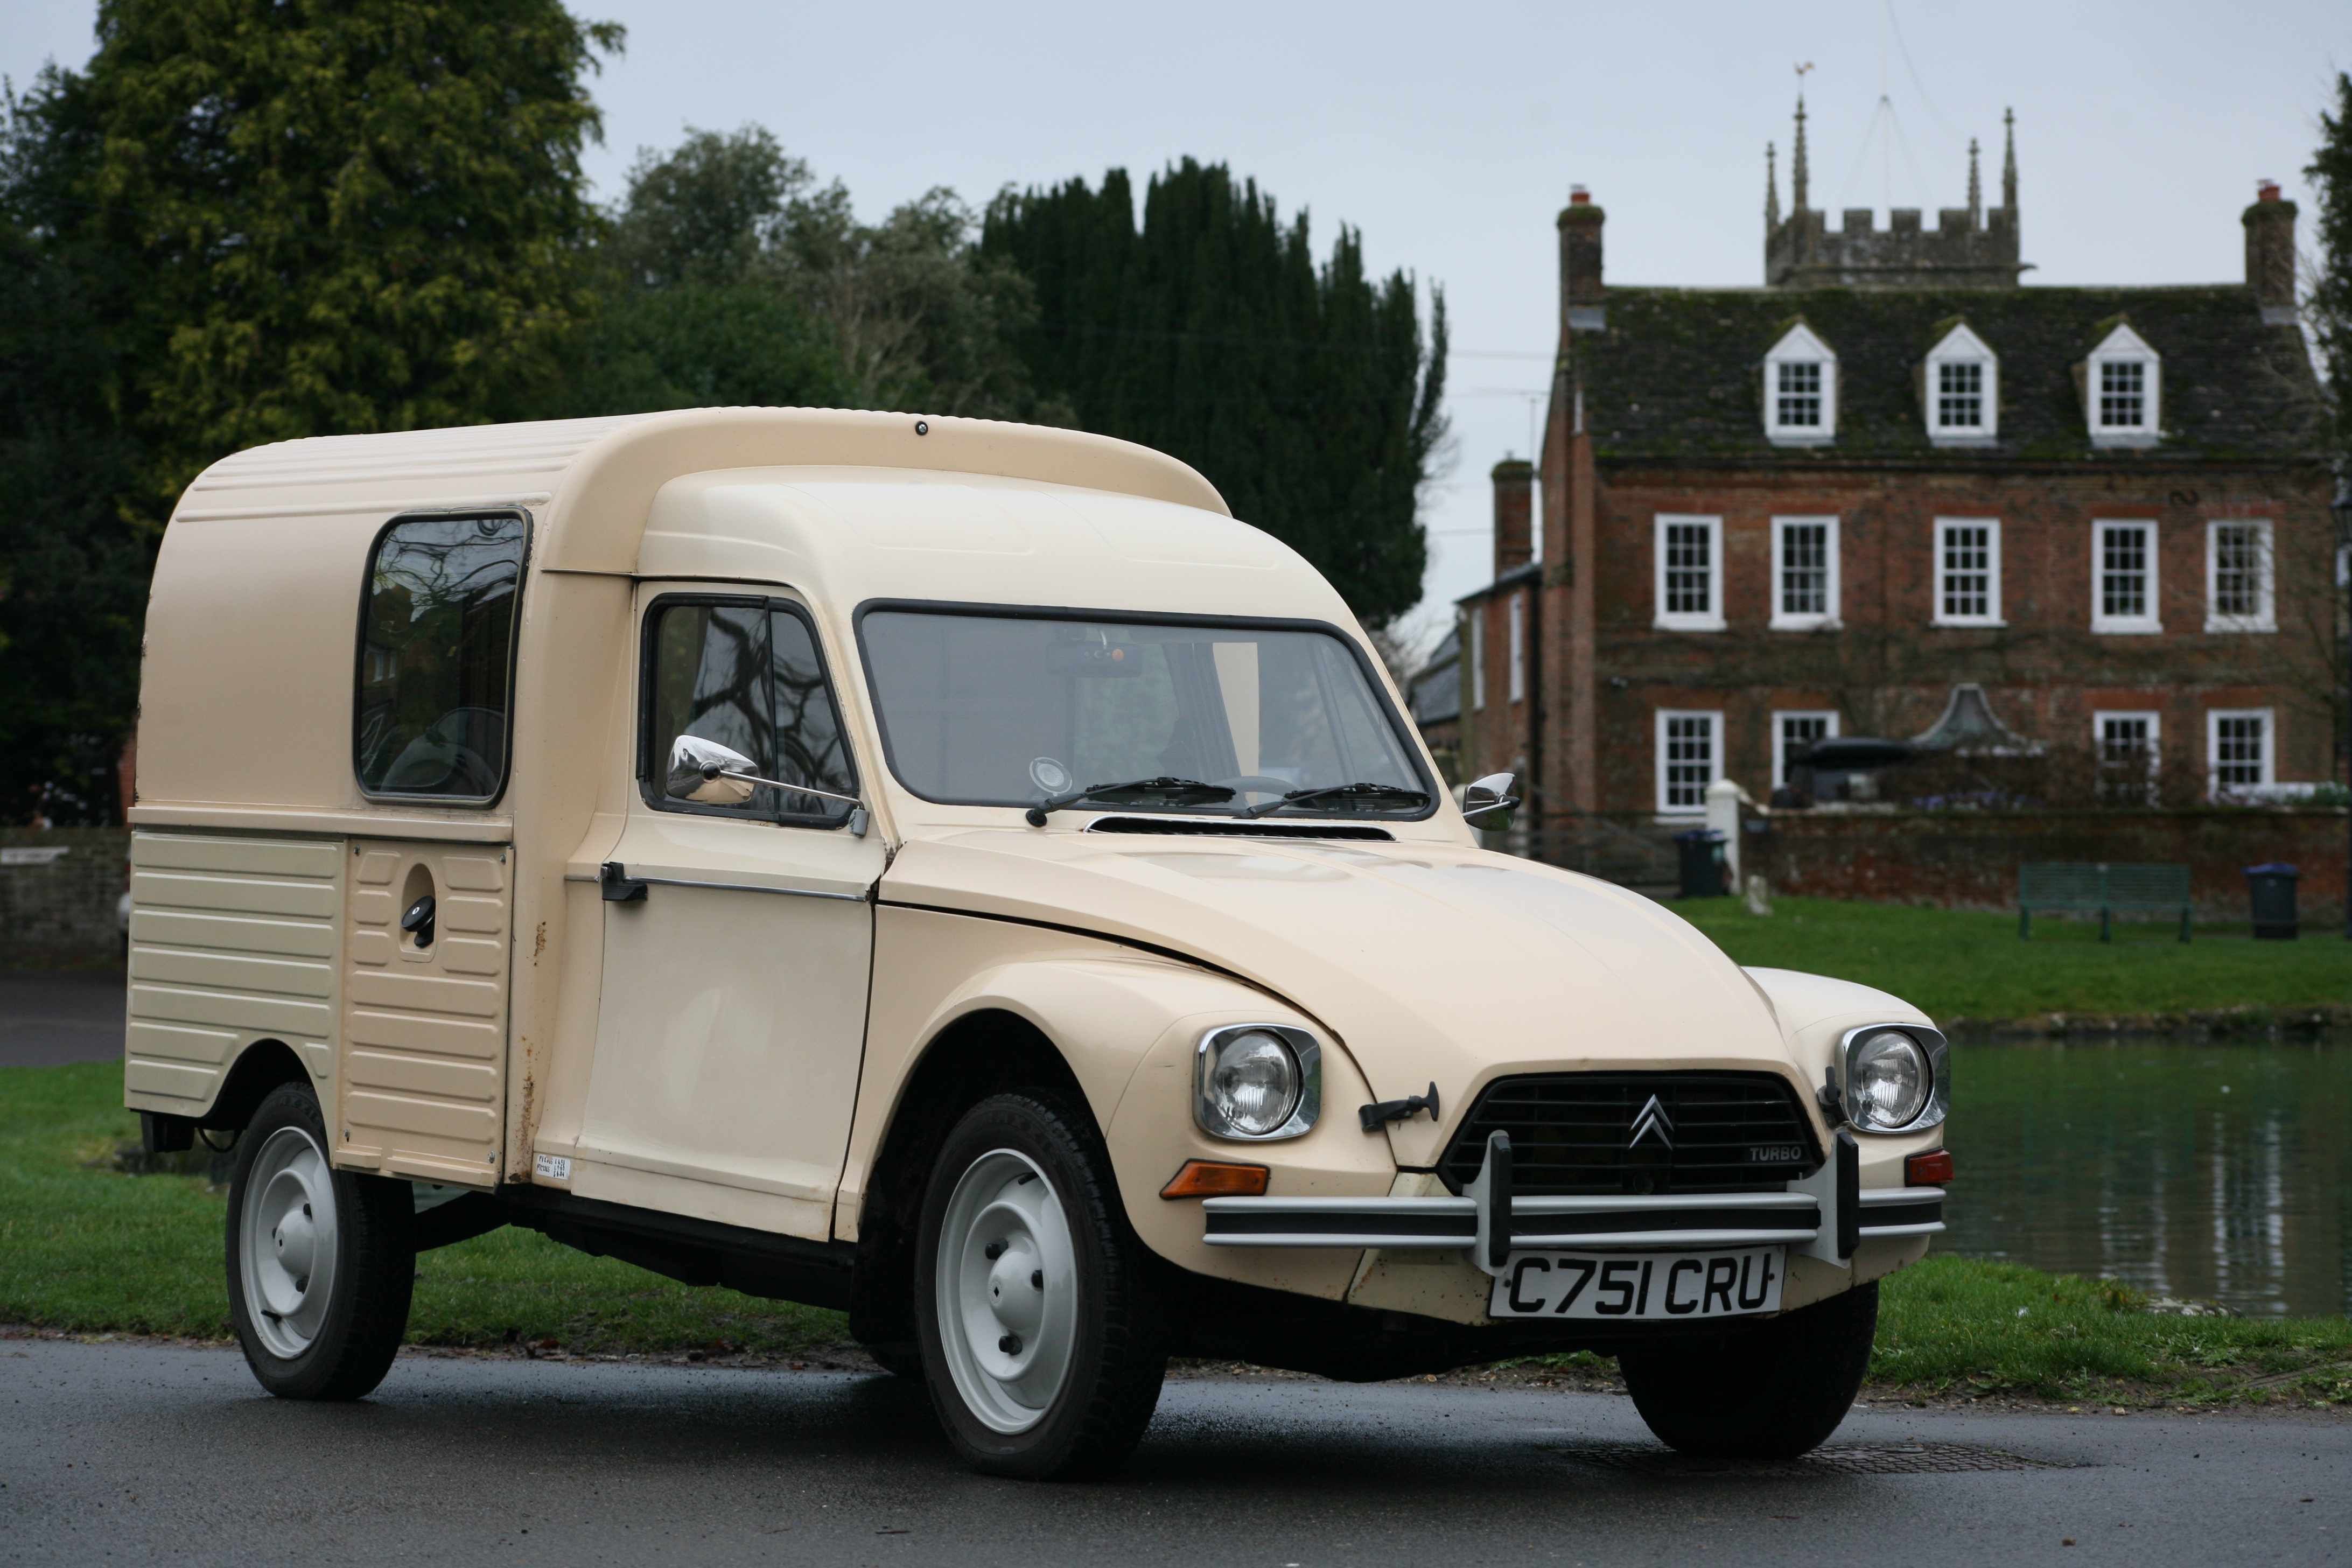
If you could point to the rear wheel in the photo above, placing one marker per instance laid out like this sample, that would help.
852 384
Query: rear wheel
321 1262
1042 1339
1772 1392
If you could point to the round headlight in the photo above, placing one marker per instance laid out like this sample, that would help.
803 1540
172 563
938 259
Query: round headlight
1892 1081
1254 1084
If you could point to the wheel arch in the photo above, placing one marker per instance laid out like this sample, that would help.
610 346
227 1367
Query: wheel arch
986 1050
259 1069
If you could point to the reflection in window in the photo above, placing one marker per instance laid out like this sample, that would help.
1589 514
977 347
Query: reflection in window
747 676
436 657
1006 709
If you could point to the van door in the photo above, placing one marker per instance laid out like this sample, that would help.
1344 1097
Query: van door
738 930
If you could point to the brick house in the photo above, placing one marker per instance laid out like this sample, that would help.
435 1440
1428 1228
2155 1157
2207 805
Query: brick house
1816 507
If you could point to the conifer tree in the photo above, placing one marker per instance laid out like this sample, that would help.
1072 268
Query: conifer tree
2329 303
1307 394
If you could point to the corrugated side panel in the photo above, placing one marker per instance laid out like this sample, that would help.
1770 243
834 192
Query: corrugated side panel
232 940
424 1029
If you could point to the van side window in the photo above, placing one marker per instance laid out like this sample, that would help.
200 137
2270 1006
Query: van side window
808 723
437 658
747 675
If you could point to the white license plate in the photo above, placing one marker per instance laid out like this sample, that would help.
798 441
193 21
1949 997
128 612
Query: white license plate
1664 1287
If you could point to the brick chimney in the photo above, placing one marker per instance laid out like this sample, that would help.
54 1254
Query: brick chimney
1514 487
2269 253
1580 294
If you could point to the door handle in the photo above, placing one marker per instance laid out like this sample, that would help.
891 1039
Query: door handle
617 886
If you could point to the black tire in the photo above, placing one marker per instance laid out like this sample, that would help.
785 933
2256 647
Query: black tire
1772 1392
1103 1294
339 1347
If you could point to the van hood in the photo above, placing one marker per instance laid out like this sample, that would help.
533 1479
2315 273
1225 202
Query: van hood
1430 962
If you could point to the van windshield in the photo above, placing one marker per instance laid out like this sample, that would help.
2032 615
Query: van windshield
1016 709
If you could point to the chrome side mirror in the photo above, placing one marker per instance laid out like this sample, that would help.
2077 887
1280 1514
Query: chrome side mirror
1489 796
708 772
705 771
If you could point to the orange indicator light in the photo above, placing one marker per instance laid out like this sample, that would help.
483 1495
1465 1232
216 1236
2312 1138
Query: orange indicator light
1932 1169
1208 1179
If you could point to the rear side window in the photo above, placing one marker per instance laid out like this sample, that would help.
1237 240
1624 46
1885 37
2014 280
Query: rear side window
437 658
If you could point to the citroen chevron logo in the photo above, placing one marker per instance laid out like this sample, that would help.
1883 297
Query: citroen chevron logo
1653 1121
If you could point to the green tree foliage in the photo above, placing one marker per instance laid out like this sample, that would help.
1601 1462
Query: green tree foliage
728 275
1308 396
2330 300
689 311
73 568
249 220
343 217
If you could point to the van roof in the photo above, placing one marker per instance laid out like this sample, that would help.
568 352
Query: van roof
555 465
246 684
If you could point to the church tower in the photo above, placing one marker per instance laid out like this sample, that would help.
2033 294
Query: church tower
1969 246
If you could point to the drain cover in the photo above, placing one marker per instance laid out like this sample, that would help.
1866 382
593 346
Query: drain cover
1836 1459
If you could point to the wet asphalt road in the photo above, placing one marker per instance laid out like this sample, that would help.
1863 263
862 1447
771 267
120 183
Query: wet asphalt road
47 1019
137 1454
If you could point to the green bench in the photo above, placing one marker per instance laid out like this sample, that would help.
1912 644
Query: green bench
2086 885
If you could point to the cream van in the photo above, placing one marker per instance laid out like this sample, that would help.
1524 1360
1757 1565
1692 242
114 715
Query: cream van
956 873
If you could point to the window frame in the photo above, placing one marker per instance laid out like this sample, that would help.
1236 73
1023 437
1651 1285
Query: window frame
1517 615
1784 620
514 650
2124 346
2260 788
1714 716
1961 347
1478 657
1800 345
1399 722
1781 736
2265 617
2152 717
1940 573
1707 620
2151 619
649 769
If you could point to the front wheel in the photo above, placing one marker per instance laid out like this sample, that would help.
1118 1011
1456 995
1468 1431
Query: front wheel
321 1262
1772 1392
1041 1336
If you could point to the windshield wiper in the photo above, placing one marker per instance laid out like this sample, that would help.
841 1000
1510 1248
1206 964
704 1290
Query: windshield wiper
1183 792
1347 792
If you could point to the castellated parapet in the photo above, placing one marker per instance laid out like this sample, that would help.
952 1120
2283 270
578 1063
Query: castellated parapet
1969 248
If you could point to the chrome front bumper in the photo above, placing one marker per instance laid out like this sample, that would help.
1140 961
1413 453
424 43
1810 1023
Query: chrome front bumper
1825 1215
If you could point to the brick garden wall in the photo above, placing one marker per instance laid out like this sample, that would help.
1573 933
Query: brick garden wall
62 914
1969 859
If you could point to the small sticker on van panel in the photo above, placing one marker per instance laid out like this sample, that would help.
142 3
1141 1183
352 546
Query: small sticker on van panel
554 1167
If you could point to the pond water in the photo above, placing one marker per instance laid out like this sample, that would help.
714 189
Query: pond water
2215 1170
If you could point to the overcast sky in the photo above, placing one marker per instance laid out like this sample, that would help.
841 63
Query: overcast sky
1449 135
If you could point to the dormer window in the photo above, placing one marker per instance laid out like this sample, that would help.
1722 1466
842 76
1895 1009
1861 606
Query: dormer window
1800 391
1963 389
1800 405
2123 391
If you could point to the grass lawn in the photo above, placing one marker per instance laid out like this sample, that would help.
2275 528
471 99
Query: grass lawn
1958 965
91 1248
88 1248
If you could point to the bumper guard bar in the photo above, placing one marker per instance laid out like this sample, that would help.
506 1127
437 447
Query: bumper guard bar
1492 1222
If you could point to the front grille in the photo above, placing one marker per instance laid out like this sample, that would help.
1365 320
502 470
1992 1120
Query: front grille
1574 1133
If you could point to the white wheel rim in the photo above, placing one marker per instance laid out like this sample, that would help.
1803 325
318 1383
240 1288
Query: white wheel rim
1007 1291
286 1248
